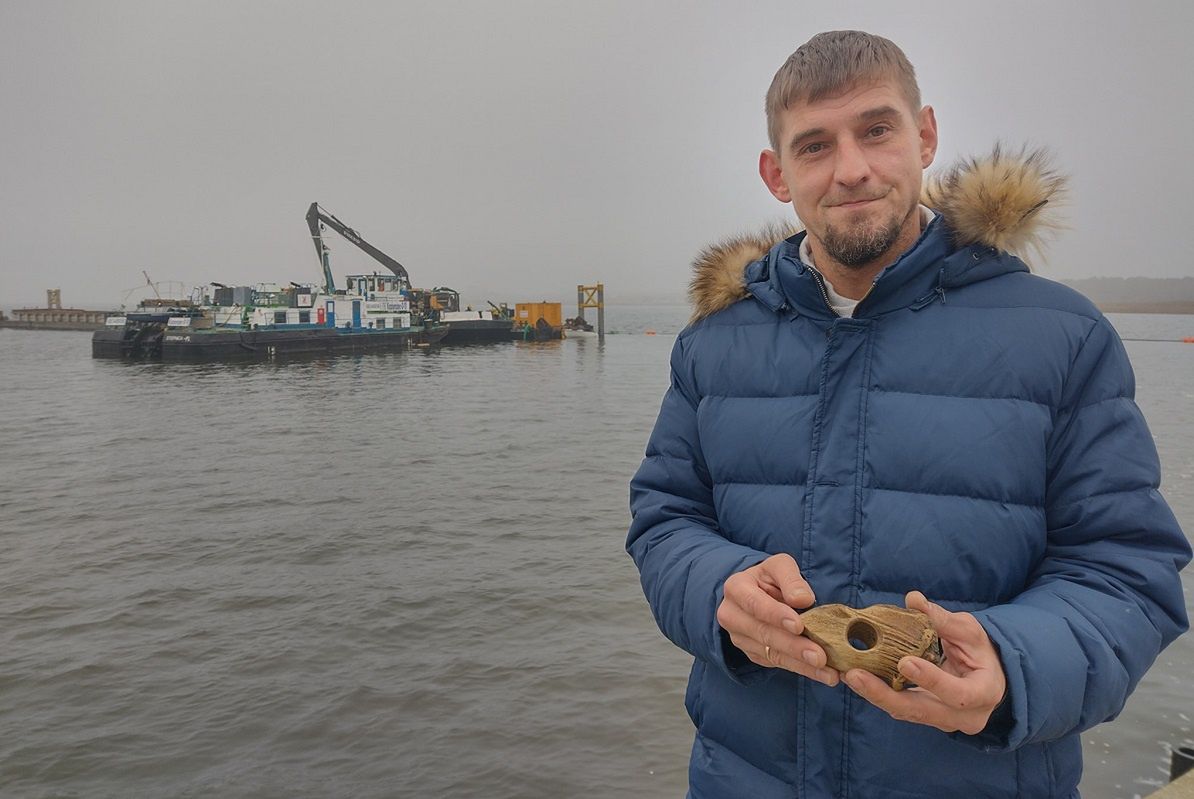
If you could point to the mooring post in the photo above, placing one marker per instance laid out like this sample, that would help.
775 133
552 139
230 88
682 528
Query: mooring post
1181 775
1181 761
601 312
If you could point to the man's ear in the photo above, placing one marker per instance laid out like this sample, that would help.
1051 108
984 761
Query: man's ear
928 136
773 176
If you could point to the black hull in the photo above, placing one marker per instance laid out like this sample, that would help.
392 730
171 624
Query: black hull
479 331
190 345
490 331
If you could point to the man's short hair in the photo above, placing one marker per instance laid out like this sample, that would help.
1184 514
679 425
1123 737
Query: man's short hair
835 62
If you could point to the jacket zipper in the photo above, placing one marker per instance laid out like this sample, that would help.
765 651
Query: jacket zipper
824 294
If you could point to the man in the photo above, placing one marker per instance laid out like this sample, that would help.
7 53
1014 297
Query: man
888 407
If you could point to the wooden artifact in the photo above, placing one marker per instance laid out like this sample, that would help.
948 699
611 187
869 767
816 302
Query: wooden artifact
872 638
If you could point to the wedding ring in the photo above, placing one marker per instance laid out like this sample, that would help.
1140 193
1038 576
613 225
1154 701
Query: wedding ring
767 653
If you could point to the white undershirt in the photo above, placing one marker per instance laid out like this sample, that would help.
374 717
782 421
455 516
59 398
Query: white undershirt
844 306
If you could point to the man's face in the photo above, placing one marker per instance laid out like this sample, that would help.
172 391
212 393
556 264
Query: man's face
851 166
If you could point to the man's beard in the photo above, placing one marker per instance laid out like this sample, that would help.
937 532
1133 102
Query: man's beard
861 244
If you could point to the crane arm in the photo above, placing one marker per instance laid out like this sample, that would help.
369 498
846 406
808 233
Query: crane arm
321 249
151 284
316 215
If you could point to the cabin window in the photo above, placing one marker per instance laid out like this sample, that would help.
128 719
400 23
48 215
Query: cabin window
279 317
381 324
304 317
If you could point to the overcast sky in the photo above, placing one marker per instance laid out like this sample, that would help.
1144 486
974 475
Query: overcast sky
513 149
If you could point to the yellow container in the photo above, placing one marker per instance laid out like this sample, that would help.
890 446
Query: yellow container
531 312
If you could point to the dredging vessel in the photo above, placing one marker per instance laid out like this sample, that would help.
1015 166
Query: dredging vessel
373 312
267 321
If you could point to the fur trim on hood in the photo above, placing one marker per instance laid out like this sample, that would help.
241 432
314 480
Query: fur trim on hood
1005 201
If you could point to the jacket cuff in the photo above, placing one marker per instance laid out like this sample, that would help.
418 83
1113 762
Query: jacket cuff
1034 711
728 658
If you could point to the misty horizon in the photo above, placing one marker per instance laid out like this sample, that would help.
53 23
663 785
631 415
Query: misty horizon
513 152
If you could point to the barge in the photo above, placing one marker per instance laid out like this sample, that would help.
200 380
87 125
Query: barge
476 327
267 321
373 312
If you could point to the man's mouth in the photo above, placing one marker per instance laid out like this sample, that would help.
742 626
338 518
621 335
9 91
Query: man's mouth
855 203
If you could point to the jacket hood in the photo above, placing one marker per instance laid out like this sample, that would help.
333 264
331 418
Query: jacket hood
1003 201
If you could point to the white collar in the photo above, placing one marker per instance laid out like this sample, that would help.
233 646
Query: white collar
844 306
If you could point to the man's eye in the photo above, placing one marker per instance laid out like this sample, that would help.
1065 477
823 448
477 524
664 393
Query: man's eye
812 149
878 130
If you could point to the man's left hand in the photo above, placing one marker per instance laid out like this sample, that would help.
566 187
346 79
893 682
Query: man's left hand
958 696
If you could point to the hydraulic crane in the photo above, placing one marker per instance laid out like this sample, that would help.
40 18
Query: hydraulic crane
317 218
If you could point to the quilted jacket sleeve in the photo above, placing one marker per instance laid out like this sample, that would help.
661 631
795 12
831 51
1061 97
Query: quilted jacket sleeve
674 538
1107 597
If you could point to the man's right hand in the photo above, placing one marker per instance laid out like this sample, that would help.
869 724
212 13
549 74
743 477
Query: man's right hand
757 611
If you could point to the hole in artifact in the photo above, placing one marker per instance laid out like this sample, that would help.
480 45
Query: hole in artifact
862 635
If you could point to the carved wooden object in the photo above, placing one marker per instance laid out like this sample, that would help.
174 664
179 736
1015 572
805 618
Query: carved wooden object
873 638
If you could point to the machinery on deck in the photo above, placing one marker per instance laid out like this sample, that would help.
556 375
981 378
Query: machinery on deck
317 218
430 302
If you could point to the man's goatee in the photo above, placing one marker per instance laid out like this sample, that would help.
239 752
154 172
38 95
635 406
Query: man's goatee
860 245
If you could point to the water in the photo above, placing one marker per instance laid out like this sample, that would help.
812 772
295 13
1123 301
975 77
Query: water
392 575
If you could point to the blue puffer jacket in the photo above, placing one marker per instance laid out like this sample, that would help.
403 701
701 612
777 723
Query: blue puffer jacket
971 433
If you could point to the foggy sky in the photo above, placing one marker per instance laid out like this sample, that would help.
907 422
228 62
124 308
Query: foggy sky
511 150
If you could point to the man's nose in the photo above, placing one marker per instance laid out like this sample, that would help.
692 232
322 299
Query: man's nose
851 166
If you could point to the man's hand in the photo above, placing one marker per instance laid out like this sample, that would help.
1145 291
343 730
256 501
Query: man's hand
961 694
757 611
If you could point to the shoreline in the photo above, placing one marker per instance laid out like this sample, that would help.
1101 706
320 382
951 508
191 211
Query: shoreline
1176 308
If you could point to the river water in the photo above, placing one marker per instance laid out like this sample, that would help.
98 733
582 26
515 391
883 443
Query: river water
388 575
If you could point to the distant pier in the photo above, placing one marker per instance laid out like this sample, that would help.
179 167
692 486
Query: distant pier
54 316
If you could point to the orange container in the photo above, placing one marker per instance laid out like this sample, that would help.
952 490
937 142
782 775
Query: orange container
532 312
